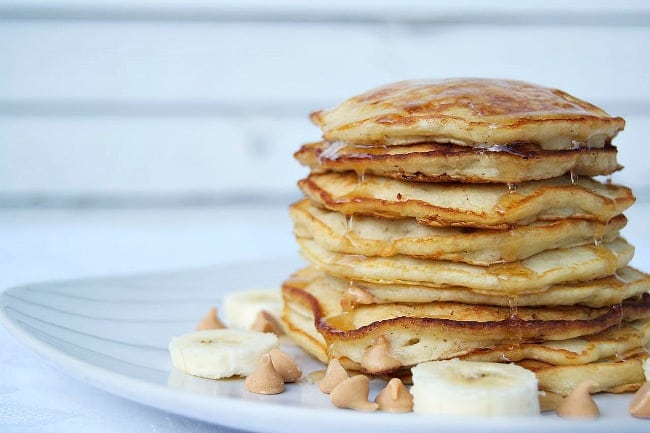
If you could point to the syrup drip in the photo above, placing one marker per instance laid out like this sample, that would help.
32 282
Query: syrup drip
349 234
314 377
514 321
361 178
508 201
512 304
349 223
574 177
599 232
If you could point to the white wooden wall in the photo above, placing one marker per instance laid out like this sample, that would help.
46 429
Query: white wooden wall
207 100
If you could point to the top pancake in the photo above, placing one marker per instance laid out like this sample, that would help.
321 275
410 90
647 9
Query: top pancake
470 112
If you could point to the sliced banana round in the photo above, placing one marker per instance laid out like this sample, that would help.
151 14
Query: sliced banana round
220 353
242 307
474 388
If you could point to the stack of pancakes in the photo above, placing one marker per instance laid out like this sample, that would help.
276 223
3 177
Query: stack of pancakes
459 219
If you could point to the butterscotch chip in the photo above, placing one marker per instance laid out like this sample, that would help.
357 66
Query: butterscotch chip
640 404
265 380
352 393
210 321
395 397
335 374
266 322
285 365
579 403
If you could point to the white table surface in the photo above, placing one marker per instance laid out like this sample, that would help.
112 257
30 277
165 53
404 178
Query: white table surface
41 245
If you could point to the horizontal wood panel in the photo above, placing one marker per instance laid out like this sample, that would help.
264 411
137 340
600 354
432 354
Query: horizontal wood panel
342 10
150 155
302 63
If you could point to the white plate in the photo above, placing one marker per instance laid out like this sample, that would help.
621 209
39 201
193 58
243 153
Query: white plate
113 333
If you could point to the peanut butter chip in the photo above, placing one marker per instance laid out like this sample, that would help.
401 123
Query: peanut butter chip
285 365
335 374
395 397
378 358
352 393
210 321
265 380
640 404
266 322
579 403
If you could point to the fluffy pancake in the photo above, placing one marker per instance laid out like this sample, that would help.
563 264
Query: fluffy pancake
370 236
434 162
610 375
468 205
418 333
627 283
532 275
469 112
616 341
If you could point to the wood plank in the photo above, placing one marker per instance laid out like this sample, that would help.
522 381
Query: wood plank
304 65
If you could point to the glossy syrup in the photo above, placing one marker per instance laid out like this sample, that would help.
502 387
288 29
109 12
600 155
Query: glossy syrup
514 324
349 234
599 233
331 152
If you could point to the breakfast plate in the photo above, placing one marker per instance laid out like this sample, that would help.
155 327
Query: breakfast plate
112 333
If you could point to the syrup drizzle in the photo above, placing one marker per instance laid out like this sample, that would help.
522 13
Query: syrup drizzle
331 152
314 377
599 233
349 231
514 322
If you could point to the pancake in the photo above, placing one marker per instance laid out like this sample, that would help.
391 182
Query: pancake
627 283
493 206
611 375
613 342
532 275
469 112
370 236
434 162
440 330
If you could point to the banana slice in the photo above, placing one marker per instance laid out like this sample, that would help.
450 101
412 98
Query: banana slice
241 307
474 388
220 353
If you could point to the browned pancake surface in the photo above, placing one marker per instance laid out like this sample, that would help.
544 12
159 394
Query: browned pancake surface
469 205
370 236
434 162
468 111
